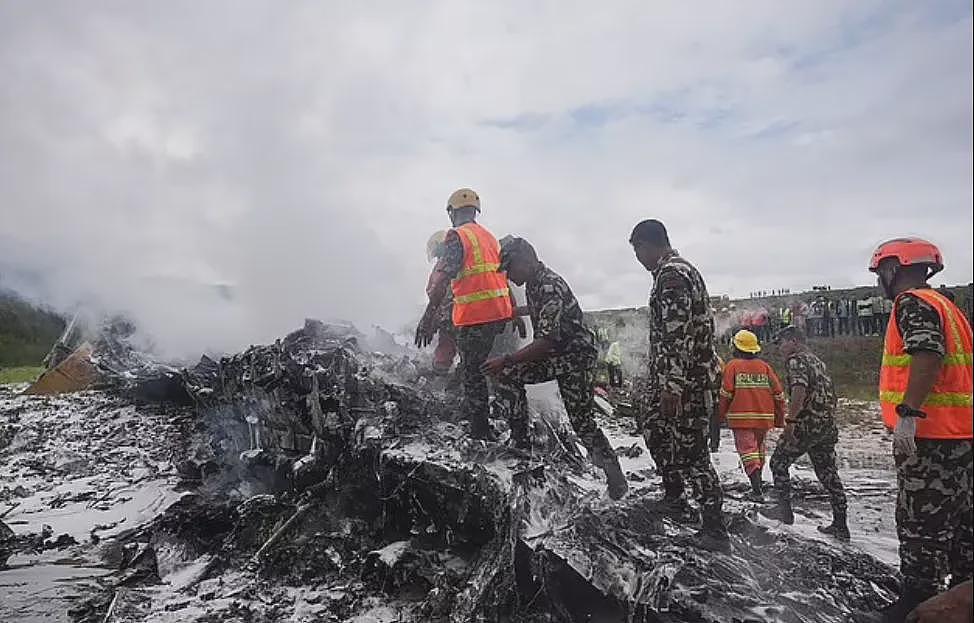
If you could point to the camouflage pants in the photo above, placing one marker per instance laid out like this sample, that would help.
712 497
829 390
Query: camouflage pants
679 448
474 344
575 375
818 441
934 517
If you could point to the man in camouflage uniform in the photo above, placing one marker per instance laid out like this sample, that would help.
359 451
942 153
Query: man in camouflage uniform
941 520
683 376
442 322
809 429
474 342
935 461
563 350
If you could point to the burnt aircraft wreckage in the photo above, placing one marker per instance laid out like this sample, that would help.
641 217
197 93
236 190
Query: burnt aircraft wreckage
318 481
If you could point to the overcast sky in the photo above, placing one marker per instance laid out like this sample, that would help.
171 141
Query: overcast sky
302 152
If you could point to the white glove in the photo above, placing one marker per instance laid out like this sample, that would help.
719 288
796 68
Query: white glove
904 437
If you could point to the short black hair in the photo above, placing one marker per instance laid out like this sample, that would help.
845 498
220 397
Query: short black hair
512 246
651 231
791 332
740 354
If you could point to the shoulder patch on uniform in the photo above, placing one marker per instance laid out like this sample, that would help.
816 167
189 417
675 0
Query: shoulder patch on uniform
547 287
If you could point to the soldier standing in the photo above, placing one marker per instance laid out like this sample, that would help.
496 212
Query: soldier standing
446 344
809 429
682 380
925 390
482 302
563 349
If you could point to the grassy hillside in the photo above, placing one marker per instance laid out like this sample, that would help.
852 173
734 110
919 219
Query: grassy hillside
26 332
22 374
852 361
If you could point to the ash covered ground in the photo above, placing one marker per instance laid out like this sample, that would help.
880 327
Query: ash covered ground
309 480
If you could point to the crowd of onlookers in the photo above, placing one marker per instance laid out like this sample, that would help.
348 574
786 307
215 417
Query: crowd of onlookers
820 315
765 293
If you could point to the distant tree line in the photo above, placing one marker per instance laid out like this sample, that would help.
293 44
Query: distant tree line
26 332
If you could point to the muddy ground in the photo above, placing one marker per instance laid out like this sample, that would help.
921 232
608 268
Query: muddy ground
116 520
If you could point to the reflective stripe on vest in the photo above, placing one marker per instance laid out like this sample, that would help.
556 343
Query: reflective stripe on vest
752 393
478 254
480 292
751 416
479 270
481 296
939 399
950 404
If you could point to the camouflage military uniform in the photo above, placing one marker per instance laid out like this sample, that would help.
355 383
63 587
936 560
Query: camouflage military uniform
474 344
934 517
443 319
556 315
815 432
682 360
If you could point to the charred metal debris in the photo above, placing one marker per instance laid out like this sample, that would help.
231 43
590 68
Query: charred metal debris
318 485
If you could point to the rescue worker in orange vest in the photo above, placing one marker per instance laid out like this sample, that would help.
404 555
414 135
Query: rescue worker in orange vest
925 390
482 302
752 401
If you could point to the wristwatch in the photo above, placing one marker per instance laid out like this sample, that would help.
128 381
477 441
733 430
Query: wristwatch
905 410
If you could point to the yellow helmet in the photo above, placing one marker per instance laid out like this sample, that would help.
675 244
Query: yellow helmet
463 198
746 342
433 244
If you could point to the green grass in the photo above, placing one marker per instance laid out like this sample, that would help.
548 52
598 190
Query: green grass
26 332
22 374
853 363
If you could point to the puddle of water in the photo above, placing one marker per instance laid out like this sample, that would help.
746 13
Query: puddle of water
37 589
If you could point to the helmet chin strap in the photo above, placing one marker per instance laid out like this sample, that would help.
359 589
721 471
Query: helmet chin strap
887 284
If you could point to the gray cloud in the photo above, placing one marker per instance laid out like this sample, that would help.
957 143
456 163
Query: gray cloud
301 154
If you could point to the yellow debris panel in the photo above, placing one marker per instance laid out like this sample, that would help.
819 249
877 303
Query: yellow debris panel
73 374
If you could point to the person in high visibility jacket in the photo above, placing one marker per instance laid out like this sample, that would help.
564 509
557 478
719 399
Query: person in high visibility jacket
482 302
752 401
925 391
613 360
563 350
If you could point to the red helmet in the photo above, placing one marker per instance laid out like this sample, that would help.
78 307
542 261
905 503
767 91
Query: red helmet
908 252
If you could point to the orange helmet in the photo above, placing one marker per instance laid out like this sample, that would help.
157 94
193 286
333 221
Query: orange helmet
909 252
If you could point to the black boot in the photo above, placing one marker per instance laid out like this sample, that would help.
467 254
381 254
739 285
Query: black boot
480 428
839 528
782 512
712 535
674 493
757 487
674 503
604 457
674 496
618 487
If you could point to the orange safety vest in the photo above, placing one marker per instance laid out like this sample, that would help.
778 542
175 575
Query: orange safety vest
751 395
480 292
949 405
